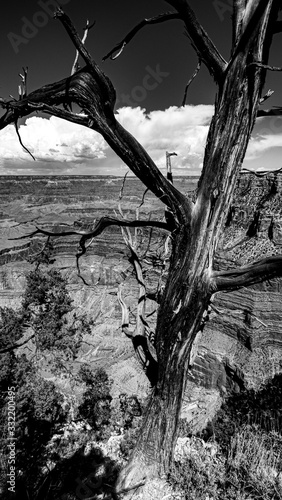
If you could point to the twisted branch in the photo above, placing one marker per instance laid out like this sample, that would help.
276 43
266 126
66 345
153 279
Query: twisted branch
205 48
190 81
118 49
270 267
265 66
99 227
75 66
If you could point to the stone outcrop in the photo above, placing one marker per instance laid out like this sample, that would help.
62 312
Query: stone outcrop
241 342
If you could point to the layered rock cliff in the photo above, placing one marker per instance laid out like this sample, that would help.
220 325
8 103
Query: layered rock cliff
241 342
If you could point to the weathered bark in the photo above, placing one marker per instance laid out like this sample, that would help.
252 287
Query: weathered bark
189 285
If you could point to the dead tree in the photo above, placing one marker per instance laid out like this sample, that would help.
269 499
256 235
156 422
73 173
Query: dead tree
196 226
139 335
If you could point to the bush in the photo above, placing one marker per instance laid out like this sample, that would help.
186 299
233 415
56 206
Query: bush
96 405
127 419
252 469
254 462
262 408
248 462
38 414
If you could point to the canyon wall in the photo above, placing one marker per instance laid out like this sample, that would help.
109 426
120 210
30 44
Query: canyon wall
241 342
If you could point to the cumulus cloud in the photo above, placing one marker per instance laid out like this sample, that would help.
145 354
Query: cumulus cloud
258 145
62 147
267 136
181 130
51 139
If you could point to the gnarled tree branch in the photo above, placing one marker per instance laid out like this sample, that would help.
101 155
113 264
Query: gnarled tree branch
75 66
95 94
270 267
144 349
103 81
201 42
198 67
99 227
251 18
118 49
265 66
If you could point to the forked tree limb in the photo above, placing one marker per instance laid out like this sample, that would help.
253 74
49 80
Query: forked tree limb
83 89
140 326
252 15
75 66
102 80
92 90
205 48
118 49
102 224
132 245
99 227
144 350
265 269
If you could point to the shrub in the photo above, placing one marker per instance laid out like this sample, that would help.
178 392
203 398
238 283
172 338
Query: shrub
96 405
248 464
254 462
38 414
262 408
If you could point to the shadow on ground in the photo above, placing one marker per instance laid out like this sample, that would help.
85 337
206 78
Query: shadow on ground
79 477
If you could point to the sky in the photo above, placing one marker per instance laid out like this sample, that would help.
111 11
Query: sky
149 77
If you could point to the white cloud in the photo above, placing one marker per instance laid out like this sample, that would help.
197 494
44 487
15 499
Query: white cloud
258 145
183 130
51 139
66 148
54 141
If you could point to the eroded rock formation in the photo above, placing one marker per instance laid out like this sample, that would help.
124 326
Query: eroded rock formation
240 344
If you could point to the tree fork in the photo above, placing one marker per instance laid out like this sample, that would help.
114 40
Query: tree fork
189 285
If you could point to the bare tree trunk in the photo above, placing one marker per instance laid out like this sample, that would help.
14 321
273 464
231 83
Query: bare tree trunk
188 288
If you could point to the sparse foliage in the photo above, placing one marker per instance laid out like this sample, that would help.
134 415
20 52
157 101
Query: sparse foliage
45 317
96 405
39 412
